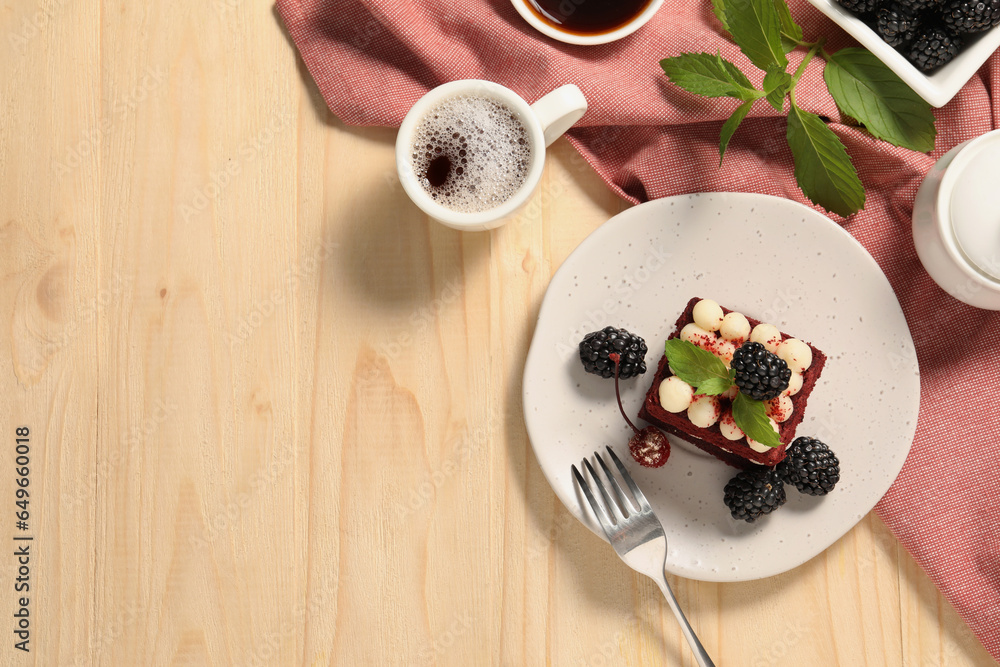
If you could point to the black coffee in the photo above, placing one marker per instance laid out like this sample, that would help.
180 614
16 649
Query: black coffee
588 17
471 153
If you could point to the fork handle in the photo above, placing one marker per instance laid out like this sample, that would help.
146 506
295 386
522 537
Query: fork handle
700 654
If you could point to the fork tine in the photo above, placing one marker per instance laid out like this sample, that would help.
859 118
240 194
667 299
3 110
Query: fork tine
602 516
612 505
636 493
622 498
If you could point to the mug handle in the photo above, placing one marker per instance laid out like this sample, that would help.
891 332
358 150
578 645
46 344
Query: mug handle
559 110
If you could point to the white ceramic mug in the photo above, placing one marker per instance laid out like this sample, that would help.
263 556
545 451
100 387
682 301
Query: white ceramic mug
545 121
956 221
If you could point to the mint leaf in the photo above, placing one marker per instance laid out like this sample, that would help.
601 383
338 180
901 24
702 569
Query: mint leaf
863 87
791 34
756 29
713 386
751 417
776 84
719 7
822 167
699 368
729 127
707 75
736 74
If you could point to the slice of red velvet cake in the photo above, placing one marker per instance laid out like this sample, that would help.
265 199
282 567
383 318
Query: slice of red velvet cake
722 334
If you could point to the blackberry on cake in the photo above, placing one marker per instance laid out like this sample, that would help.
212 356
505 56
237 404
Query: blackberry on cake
811 466
760 374
596 348
753 493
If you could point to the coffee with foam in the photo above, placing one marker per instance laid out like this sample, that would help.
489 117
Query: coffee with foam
471 153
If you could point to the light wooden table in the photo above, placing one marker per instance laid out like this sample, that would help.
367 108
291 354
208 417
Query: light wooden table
274 412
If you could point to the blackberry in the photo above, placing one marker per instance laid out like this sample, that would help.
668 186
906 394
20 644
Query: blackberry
970 16
811 466
753 493
896 24
932 48
595 348
859 7
760 374
914 7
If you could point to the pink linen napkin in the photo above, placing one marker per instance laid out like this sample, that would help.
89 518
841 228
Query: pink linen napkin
372 59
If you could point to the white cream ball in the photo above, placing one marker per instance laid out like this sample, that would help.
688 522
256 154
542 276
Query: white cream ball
735 327
794 384
704 411
756 446
728 427
779 408
708 315
724 350
767 335
675 394
693 333
796 354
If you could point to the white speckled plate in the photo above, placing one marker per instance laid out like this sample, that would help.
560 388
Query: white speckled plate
767 257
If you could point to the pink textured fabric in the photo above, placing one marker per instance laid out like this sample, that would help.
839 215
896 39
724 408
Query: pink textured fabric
372 59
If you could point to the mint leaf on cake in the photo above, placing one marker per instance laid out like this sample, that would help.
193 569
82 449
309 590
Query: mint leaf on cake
699 368
754 422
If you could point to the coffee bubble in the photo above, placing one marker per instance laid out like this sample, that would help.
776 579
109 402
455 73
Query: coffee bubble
471 153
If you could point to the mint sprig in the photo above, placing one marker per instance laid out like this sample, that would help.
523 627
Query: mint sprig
751 417
861 85
699 368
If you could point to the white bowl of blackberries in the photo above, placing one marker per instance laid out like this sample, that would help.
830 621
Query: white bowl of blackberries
935 46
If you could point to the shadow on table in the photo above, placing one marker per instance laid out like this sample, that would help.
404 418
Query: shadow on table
553 534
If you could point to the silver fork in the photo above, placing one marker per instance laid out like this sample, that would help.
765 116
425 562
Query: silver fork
637 536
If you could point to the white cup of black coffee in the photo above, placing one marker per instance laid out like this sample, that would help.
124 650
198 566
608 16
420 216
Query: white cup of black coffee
470 153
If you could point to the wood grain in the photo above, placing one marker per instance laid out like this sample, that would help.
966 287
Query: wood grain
275 411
